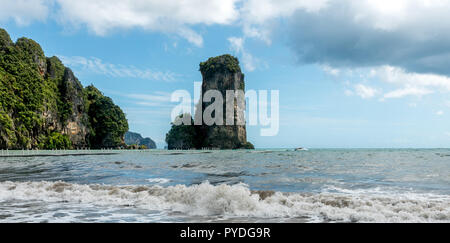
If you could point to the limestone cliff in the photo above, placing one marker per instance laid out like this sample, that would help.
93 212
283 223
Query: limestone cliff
76 125
42 103
132 138
221 74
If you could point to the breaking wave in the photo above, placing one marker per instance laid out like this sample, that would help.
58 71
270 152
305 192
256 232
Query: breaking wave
159 180
332 205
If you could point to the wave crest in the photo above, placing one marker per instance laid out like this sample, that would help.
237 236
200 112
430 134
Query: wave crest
239 201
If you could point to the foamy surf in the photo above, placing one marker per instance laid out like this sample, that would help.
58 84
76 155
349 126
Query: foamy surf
225 201
159 180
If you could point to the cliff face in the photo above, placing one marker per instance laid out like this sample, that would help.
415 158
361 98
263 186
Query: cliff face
76 125
132 138
42 103
223 74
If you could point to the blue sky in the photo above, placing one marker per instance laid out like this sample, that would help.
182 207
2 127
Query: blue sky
351 74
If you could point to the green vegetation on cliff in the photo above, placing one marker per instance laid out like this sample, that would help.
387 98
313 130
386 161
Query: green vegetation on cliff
108 123
56 140
183 137
22 89
220 64
43 105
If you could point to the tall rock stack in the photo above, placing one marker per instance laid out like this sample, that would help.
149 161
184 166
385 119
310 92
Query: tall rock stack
223 74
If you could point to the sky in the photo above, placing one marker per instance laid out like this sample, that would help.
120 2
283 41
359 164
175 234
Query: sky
351 73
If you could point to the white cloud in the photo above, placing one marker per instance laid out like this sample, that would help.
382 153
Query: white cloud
236 44
397 75
423 20
439 113
365 92
154 99
190 36
168 16
104 16
410 34
248 60
408 91
411 84
259 11
157 97
151 100
97 66
386 15
23 12
400 82
348 92
330 70
258 16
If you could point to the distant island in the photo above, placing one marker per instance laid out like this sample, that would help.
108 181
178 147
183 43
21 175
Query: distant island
136 141
219 73
44 106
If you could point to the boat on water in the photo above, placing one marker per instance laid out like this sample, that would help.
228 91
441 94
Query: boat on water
301 149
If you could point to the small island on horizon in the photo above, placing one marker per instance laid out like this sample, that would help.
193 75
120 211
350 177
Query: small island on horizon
136 141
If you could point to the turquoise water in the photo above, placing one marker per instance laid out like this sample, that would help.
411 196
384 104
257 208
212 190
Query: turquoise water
320 185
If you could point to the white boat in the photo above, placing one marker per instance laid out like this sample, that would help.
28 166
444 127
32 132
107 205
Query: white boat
301 149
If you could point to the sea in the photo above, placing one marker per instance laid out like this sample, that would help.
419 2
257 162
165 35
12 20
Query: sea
254 186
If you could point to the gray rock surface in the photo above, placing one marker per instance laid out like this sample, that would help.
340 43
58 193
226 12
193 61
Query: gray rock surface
223 74
132 138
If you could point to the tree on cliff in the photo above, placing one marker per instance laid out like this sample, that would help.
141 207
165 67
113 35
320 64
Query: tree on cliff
182 136
22 89
108 123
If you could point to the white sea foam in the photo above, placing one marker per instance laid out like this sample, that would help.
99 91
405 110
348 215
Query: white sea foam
159 180
336 205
